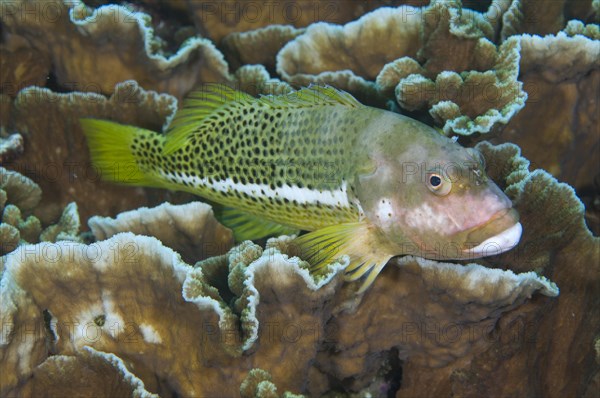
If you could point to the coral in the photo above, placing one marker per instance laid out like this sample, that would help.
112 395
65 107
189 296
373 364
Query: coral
19 190
67 227
533 16
527 335
433 311
347 56
282 310
542 18
358 37
18 195
271 287
130 317
567 55
466 83
140 325
258 46
15 229
58 160
189 229
11 147
217 20
255 80
89 373
21 66
521 185
438 317
558 128
472 101
575 27
74 36
258 384
444 61
21 194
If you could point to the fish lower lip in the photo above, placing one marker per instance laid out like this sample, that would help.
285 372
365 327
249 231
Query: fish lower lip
500 243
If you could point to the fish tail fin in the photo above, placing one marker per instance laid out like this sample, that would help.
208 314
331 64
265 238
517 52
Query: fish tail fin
111 152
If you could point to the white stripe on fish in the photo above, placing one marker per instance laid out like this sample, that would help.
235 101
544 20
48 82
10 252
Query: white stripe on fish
338 197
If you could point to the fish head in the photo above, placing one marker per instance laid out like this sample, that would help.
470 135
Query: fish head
432 198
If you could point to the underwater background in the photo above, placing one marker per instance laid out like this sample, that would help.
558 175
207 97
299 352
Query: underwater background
110 290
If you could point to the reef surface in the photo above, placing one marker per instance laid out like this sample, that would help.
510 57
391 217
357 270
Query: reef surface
141 292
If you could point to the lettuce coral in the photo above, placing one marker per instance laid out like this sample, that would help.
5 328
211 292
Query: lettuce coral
57 159
18 197
73 36
90 373
125 312
189 229
258 46
11 147
561 74
217 19
141 326
130 322
437 317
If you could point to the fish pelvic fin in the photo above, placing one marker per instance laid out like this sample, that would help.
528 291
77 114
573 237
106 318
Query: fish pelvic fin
197 105
246 226
111 151
359 241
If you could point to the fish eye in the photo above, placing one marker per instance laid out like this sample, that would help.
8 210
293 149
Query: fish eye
438 184
435 180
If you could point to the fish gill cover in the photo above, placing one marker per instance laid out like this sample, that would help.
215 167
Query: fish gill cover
149 295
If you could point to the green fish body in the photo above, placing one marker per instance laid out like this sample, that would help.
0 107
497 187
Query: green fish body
360 178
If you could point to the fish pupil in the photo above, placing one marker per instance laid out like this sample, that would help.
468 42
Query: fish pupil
435 181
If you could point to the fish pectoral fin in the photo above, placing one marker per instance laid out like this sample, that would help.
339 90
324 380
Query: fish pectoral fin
359 241
246 226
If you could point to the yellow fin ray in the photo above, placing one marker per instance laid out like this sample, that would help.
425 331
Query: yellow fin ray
312 95
357 240
373 271
201 103
247 226
110 151
197 105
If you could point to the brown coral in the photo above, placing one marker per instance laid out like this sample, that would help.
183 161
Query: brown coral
440 319
58 160
74 36
558 128
264 321
189 229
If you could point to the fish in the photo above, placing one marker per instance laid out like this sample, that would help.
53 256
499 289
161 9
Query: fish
363 182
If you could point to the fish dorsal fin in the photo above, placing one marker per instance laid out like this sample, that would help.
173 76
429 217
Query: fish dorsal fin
247 226
197 105
359 241
312 95
203 102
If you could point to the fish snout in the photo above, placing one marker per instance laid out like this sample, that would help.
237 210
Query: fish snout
500 233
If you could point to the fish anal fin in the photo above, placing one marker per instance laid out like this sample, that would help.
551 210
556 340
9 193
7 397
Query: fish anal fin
197 105
359 241
246 226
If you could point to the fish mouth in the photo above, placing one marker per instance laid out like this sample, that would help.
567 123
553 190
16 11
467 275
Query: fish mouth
506 230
